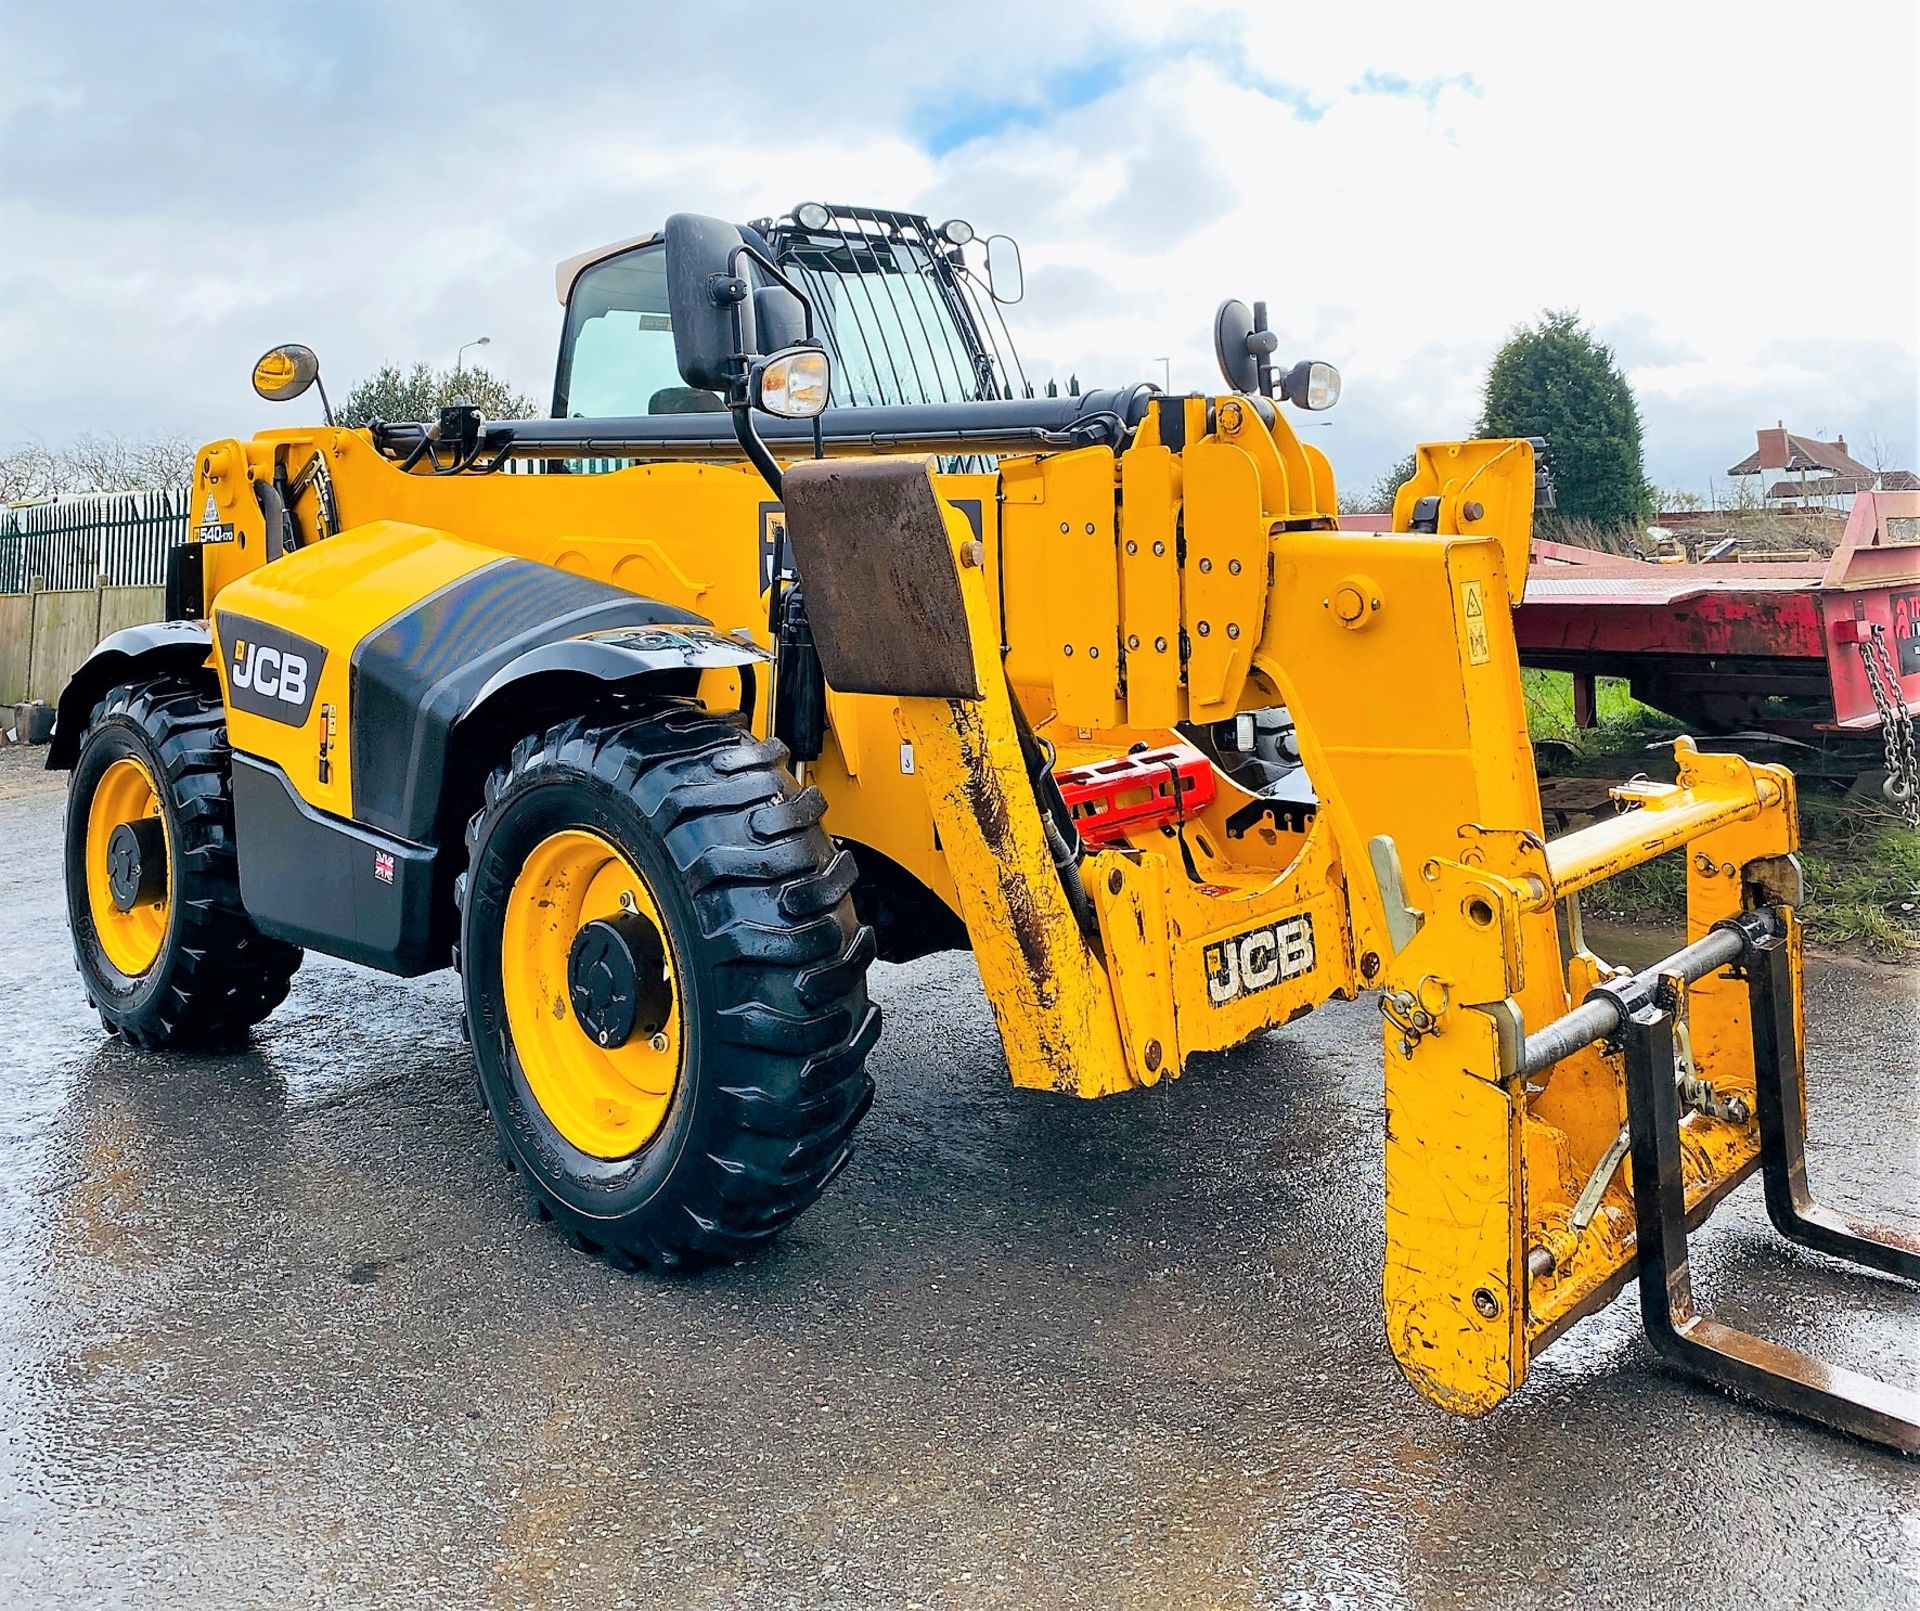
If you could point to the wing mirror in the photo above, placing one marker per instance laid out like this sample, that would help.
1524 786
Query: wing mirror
779 318
716 314
710 303
285 372
1006 279
1243 346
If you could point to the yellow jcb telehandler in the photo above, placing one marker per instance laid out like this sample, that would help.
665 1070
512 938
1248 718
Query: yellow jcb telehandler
804 633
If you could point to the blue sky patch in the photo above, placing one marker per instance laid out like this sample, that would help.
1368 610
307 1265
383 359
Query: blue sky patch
1426 89
960 120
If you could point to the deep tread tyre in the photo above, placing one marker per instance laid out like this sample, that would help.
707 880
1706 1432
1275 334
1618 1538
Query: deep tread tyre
215 975
772 962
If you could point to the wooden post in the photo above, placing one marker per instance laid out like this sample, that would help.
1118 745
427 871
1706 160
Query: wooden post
1583 700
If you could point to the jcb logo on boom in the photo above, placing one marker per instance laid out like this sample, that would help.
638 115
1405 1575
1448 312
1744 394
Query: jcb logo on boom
1258 959
269 672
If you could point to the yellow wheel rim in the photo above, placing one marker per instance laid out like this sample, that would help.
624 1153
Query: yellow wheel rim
609 1101
131 938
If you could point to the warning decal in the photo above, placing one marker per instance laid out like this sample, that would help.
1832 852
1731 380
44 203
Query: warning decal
1473 606
1906 632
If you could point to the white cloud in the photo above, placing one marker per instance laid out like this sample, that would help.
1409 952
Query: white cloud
1740 226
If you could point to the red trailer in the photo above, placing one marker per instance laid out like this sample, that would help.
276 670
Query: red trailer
1782 647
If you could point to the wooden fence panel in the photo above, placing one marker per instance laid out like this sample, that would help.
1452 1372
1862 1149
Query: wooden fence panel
16 645
66 626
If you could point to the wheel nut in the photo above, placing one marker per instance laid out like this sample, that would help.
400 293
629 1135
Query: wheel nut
657 1042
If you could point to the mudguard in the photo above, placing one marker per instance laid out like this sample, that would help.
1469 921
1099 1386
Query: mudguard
131 654
405 679
621 654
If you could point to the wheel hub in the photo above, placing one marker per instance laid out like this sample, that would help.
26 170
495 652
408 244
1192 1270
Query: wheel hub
593 993
125 857
616 979
136 863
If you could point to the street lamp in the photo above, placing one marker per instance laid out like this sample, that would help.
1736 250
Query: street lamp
1166 373
460 359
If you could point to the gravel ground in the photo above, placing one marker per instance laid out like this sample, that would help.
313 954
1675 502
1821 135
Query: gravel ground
276 1328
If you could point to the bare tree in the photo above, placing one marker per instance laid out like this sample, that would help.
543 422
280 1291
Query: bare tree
1878 452
94 462
27 472
111 463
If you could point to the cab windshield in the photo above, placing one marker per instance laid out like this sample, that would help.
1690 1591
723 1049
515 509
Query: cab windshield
901 324
896 318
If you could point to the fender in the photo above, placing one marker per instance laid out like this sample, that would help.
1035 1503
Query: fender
514 642
131 654
434 693
567 675
623 654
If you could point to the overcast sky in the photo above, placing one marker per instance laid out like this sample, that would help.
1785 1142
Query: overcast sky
1727 192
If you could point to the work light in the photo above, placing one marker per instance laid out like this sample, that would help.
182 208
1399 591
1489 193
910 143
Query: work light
1312 385
793 384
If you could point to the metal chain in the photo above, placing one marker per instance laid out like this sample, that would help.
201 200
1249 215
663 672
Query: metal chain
1902 787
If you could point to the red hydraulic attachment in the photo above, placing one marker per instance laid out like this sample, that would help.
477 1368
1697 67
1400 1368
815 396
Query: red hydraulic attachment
1148 789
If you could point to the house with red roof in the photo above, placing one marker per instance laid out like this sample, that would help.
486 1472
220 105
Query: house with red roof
1816 474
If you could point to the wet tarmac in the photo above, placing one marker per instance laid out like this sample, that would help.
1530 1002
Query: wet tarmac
276 1328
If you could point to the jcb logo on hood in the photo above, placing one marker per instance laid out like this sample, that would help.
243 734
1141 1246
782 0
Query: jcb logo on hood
1258 959
269 672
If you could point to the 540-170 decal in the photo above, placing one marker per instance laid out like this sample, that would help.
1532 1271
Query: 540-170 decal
1258 959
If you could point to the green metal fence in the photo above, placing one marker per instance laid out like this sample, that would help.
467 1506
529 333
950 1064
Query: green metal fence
574 466
116 538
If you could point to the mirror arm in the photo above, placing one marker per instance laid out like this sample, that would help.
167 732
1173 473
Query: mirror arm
773 272
740 394
755 449
1264 366
326 408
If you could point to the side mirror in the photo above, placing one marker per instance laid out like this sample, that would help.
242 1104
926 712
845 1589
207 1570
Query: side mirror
1006 280
712 307
1242 344
779 318
285 372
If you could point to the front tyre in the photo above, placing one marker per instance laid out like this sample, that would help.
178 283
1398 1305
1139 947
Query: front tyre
665 984
168 954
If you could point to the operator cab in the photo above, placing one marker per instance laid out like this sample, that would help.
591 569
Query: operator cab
909 312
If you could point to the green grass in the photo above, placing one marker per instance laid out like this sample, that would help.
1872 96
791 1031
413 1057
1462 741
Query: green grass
1620 717
1863 876
1862 865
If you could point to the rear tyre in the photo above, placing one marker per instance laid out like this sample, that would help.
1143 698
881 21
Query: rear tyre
665 984
168 954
